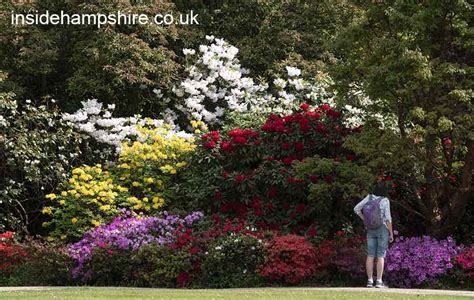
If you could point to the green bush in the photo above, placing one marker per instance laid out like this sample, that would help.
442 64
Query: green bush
37 151
111 267
232 262
161 266
334 198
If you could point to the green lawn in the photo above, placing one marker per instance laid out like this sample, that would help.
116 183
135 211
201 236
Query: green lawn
267 293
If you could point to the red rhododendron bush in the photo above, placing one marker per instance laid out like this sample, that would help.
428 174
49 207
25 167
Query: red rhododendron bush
290 259
10 252
291 173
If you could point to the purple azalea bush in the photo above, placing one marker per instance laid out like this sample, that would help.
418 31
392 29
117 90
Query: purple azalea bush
419 260
127 233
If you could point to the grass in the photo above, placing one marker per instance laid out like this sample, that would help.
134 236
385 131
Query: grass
265 293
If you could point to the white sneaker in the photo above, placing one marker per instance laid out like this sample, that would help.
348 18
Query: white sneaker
370 283
380 285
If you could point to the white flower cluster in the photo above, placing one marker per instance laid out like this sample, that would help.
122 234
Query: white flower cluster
98 122
3 122
365 108
217 83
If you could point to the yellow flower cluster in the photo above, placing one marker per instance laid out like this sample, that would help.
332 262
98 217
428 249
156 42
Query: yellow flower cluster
160 147
146 165
90 197
199 126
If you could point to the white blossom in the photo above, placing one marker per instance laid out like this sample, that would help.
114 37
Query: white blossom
292 71
189 52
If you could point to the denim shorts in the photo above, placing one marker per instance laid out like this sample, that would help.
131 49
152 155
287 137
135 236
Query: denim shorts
377 241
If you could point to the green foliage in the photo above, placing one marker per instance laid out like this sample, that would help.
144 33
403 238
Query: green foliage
110 267
232 262
160 266
343 184
119 64
37 151
271 31
413 60
243 120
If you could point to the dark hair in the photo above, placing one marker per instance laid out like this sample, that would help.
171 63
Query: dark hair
380 189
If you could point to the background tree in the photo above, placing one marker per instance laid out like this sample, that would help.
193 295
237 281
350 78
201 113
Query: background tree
119 64
271 33
414 60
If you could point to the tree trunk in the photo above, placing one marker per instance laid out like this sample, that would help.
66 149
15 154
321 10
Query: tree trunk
454 208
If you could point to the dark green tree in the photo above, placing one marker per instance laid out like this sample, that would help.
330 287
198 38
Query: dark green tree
120 64
414 60
271 32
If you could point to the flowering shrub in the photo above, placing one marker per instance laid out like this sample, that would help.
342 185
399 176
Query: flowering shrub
217 84
10 252
232 261
289 258
146 167
88 199
138 181
123 237
419 260
465 260
97 121
252 173
39 263
37 151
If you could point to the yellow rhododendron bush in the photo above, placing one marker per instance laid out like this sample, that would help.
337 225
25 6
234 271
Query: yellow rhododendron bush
138 181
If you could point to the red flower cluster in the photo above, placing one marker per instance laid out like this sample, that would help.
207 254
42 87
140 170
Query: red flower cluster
312 232
290 258
239 208
183 279
234 226
239 179
183 238
8 235
466 260
210 139
237 137
9 252
242 137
